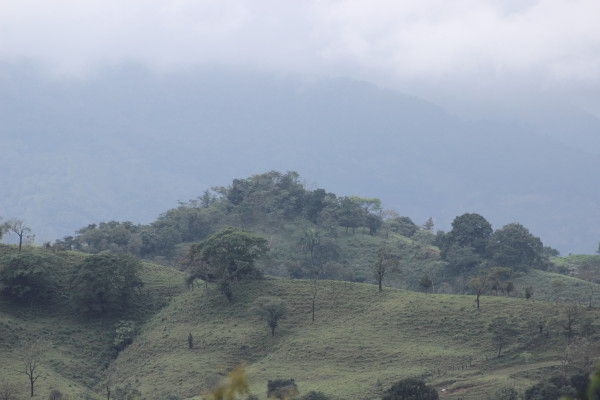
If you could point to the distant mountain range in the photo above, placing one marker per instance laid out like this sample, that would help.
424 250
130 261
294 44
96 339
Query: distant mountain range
127 144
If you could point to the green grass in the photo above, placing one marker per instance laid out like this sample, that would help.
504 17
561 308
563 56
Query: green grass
572 289
361 341
76 350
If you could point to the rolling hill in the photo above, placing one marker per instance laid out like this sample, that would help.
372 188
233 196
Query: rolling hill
361 340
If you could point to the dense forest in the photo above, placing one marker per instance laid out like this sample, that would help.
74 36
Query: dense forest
201 279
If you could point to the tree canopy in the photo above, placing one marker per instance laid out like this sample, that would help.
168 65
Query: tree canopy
513 246
472 230
225 257
26 275
105 283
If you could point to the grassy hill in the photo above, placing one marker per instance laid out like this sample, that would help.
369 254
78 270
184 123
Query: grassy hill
74 349
360 343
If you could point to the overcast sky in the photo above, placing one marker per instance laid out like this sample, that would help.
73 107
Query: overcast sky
418 45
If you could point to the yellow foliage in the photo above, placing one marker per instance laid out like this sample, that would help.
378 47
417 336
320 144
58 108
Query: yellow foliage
234 385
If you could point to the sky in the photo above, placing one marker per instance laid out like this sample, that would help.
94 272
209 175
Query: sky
458 49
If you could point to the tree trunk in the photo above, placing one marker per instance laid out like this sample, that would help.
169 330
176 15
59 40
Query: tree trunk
379 282
477 300
273 331
313 310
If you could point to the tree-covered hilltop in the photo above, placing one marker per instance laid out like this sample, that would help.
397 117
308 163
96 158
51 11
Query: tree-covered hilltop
103 324
309 231
313 233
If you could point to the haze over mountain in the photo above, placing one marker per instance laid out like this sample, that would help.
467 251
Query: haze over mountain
116 110
128 143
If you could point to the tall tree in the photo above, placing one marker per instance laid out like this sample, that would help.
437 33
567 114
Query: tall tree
479 284
502 331
515 247
106 282
31 365
350 214
471 230
19 228
386 260
227 256
271 309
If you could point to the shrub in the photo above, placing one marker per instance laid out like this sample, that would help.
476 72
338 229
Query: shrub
507 393
105 283
410 389
281 389
124 334
26 276
312 395
55 395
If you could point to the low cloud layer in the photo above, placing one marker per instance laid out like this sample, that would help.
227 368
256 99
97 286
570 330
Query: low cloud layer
467 51
558 40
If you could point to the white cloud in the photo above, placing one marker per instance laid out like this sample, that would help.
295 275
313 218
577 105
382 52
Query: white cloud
556 41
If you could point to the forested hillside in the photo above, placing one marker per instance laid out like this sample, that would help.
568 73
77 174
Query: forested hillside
316 233
293 282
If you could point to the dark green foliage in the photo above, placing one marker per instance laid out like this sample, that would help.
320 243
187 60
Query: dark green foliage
499 279
314 203
271 310
127 392
55 395
461 259
548 251
373 222
503 332
189 221
464 246
426 283
225 288
542 391
577 387
471 230
271 193
190 341
528 292
113 236
580 383
593 391
312 395
105 283
350 214
410 389
225 257
514 247
403 226
281 389
507 393
26 276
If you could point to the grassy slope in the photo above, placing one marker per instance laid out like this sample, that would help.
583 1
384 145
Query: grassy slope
574 290
360 337
74 351
361 340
